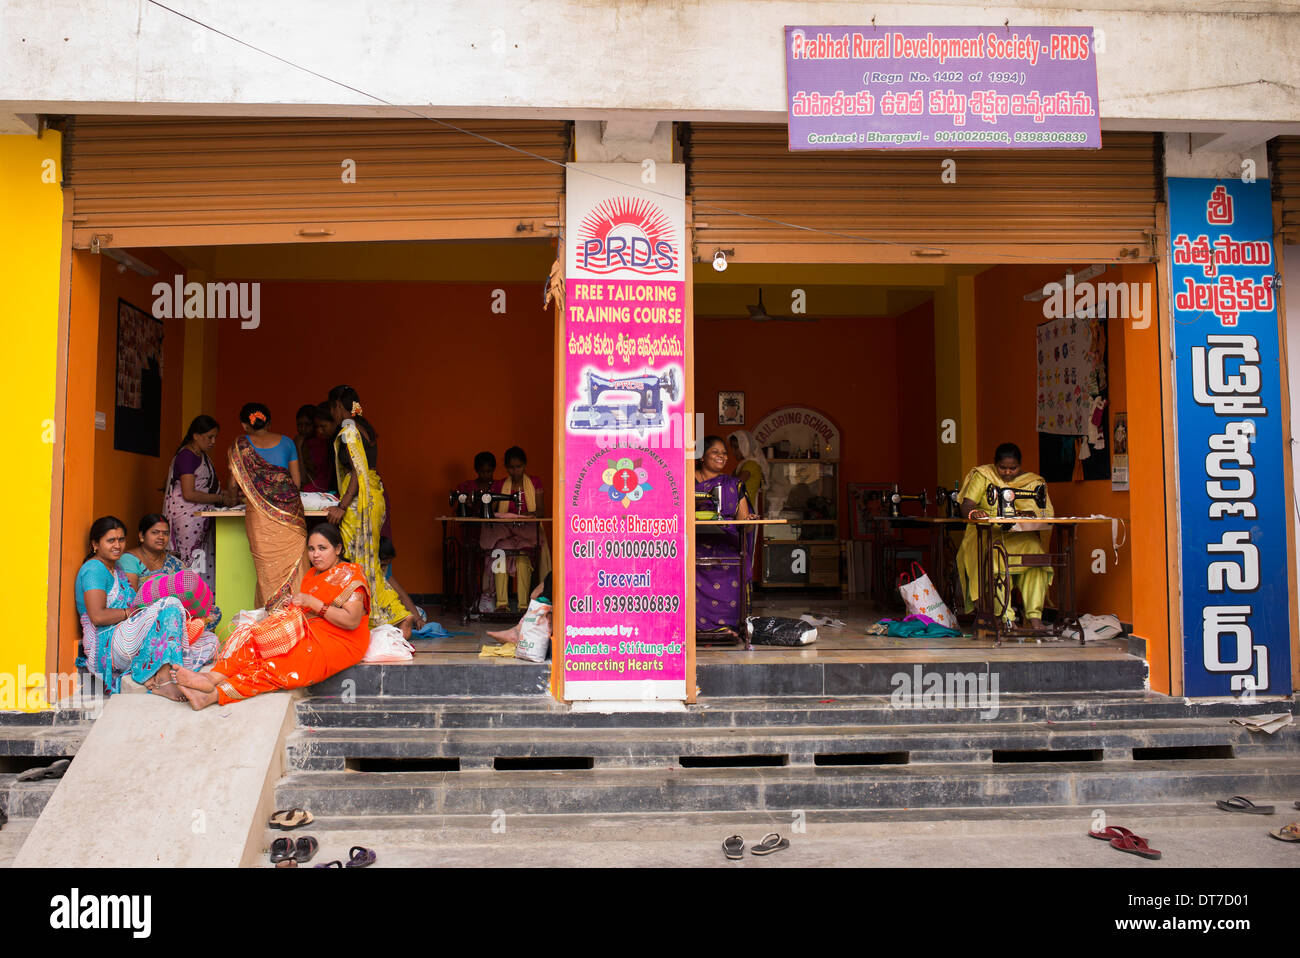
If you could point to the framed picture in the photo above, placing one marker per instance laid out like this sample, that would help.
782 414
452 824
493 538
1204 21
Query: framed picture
731 409
137 404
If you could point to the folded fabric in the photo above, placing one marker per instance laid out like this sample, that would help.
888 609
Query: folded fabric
506 650
432 630
917 629
1265 723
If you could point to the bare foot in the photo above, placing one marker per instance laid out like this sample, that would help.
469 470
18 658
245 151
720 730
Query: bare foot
199 700
508 635
1035 623
407 625
163 682
199 681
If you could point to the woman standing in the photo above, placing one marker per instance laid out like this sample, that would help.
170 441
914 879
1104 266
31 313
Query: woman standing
717 587
265 466
117 638
753 466
154 573
362 506
326 629
192 488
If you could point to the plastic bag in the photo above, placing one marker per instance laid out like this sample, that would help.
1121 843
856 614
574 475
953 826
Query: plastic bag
773 630
387 645
922 598
535 633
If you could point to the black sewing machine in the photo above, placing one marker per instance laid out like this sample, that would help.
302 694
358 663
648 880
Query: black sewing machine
951 500
648 413
483 503
1004 498
892 501
708 505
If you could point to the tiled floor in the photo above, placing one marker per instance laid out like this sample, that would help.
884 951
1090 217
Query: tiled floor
847 644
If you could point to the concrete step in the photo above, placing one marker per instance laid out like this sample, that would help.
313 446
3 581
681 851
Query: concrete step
471 748
1066 669
319 711
25 800
604 790
31 745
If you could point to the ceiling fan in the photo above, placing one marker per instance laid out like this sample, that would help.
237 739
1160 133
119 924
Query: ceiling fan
759 314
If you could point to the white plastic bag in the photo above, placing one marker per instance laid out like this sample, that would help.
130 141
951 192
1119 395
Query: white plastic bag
922 598
534 633
247 617
387 645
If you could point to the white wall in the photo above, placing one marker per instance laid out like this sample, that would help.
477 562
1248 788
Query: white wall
1184 65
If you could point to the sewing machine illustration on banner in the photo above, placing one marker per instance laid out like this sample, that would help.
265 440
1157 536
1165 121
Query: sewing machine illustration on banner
1005 498
647 412
481 504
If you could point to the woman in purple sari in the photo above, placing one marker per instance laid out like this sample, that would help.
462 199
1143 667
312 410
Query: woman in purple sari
718 587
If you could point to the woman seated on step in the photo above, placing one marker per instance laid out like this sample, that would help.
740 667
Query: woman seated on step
324 630
118 634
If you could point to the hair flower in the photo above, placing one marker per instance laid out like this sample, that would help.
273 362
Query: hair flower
356 409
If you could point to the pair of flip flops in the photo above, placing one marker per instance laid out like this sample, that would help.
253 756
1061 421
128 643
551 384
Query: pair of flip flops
358 857
1124 840
54 770
734 847
287 853
288 818
1244 805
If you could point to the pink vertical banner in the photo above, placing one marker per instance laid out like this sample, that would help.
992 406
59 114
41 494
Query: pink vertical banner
625 488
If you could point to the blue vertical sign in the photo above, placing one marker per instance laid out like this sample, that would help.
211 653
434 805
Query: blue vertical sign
1231 496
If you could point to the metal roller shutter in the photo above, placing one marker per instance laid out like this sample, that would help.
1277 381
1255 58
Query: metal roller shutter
1005 206
1286 185
149 181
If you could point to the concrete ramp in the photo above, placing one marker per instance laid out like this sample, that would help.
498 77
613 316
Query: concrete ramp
157 784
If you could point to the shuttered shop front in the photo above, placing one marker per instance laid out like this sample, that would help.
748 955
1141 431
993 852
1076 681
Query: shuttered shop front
149 181
770 205
1286 185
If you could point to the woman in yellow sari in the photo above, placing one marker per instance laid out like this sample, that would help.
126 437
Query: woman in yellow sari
266 467
1033 581
362 507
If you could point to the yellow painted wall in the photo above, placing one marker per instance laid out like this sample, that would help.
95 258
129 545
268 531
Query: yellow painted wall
31 214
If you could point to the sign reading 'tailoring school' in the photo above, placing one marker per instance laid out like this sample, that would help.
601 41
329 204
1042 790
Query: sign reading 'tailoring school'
625 487
925 88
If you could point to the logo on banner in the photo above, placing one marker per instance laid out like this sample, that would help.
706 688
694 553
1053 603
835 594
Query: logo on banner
627 233
625 481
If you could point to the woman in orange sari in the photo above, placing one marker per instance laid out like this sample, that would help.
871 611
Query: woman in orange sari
327 626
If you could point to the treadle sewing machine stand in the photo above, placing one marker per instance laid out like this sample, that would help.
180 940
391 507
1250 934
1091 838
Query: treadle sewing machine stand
995 588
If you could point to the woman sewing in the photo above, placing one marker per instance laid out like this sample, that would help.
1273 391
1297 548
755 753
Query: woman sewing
266 467
485 467
514 549
752 466
718 587
1005 472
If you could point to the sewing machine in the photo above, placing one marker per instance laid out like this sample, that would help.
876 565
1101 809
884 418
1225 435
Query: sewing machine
708 505
648 413
892 501
1004 498
483 503
951 499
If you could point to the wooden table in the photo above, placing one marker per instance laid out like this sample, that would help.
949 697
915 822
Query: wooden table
460 559
235 582
707 525
987 621
943 558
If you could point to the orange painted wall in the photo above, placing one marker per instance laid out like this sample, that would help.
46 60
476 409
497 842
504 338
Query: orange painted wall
1006 367
874 377
128 485
440 375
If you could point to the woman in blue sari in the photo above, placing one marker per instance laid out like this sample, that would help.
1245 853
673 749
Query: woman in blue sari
718 587
118 636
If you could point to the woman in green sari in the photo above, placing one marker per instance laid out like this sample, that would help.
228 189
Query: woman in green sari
1033 581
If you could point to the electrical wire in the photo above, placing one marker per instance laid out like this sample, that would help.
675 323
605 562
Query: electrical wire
545 159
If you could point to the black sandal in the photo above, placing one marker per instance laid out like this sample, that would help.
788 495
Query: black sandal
359 857
1244 805
281 850
734 847
772 842
305 849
